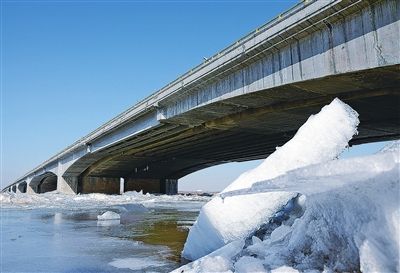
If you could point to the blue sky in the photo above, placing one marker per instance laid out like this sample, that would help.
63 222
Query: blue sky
69 66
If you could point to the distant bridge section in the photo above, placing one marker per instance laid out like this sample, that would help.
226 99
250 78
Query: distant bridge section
243 102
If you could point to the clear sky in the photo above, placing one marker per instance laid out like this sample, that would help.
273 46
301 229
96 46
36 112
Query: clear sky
69 66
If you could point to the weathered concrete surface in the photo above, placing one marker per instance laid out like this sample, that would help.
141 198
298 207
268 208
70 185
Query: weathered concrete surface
99 185
151 185
251 97
140 184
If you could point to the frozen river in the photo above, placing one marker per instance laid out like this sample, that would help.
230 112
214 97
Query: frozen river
59 233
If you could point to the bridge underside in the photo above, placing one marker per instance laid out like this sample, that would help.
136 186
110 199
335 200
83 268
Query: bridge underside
44 183
238 129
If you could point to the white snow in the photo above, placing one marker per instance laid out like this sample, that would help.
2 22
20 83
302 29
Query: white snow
322 138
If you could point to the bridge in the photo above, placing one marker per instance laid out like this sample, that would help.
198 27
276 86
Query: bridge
243 102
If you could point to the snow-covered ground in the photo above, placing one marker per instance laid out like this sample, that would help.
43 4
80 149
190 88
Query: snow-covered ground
303 210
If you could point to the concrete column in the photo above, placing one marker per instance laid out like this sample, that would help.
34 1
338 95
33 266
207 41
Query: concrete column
169 186
68 185
121 185
29 189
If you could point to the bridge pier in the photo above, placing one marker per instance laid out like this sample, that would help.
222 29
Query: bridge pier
29 189
108 185
68 185
151 185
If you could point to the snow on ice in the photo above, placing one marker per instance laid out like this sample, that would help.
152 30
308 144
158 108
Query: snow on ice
323 137
125 203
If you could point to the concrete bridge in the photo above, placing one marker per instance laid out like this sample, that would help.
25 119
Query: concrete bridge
243 102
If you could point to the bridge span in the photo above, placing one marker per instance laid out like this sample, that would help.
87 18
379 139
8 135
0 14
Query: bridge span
243 102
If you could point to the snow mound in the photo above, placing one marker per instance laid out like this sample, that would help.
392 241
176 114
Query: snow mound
322 138
346 218
108 215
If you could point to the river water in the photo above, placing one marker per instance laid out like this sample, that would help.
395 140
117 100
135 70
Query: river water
60 233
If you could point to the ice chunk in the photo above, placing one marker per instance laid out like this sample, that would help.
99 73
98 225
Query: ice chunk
216 264
217 261
108 215
247 264
350 222
322 138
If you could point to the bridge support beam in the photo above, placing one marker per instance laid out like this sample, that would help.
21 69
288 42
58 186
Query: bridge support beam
151 185
108 185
